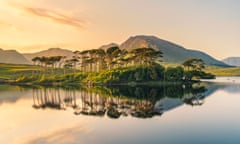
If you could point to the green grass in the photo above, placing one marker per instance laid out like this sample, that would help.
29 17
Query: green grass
219 71
36 74
12 71
168 64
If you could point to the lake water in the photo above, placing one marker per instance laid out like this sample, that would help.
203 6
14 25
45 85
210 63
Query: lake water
177 114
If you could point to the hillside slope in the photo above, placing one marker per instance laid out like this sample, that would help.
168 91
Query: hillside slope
12 57
49 52
171 52
233 61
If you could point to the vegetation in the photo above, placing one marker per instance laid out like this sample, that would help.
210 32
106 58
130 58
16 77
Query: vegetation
116 101
174 74
140 73
96 66
194 69
223 71
12 71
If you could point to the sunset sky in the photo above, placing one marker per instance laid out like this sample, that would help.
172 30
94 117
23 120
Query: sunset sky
212 26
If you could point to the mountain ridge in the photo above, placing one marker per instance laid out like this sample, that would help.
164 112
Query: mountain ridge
105 47
12 57
171 52
49 52
233 61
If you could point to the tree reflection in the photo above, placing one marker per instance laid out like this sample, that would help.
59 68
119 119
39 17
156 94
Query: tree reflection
195 95
118 101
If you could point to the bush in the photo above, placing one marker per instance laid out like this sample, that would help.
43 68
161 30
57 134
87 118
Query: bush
189 75
174 74
26 78
129 74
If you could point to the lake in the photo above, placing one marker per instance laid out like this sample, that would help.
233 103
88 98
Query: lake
172 114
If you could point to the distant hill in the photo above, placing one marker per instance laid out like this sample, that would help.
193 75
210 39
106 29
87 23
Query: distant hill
12 57
171 52
233 61
105 47
49 52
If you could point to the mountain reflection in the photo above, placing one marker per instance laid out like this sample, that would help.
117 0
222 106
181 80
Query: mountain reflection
117 101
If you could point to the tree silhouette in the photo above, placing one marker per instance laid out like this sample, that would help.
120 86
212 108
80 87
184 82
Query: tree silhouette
145 55
194 64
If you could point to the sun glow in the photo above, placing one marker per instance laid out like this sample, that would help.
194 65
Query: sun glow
31 26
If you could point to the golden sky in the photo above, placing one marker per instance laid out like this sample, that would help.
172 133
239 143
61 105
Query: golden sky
33 25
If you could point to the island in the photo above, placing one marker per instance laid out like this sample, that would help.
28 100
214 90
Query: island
112 66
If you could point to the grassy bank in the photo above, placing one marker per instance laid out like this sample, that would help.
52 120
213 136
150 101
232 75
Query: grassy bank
220 71
154 74
127 75
28 74
12 71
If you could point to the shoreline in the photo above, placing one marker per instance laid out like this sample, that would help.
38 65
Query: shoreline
100 84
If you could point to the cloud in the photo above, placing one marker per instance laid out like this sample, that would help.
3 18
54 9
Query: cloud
52 15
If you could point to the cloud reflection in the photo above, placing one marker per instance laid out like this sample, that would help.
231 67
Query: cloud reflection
67 135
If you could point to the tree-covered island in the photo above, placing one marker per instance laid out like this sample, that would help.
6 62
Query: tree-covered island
108 67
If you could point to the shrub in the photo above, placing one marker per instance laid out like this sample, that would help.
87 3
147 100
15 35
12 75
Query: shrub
174 74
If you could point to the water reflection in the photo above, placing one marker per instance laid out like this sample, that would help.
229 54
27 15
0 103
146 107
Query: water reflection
118 101
11 94
202 113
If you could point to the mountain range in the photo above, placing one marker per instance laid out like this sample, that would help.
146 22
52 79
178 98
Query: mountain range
172 52
12 56
49 52
233 61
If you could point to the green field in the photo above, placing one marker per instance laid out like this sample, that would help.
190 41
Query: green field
12 71
36 74
32 73
219 71
22 73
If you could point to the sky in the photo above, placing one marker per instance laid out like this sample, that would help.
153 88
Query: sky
212 26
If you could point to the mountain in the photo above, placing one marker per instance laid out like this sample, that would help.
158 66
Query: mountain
12 57
233 61
49 52
171 52
105 47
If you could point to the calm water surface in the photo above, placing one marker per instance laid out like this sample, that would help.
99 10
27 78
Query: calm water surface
202 113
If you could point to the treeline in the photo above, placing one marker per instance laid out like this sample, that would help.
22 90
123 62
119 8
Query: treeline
153 72
95 60
114 66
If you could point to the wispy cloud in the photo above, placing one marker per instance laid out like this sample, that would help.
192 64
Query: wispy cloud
54 16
